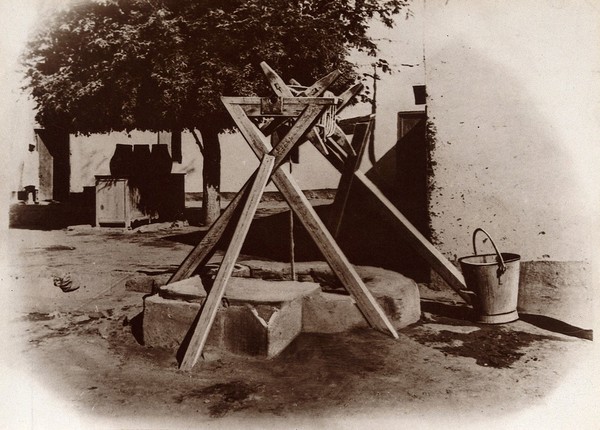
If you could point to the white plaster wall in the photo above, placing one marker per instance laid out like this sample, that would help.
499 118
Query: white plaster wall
90 156
402 47
514 96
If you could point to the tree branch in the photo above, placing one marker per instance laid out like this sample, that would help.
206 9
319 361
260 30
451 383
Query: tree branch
198 141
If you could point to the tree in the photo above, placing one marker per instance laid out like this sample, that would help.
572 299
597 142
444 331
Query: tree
119 65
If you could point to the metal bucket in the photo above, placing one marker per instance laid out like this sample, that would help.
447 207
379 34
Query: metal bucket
494 278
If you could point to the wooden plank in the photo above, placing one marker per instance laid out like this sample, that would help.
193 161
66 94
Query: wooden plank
360 139
360 144
214 297
299 103
323 239
347 96
277 84
340 139
420 244
332 252
280 88
303 125
336 160
319 87
315 90
291 106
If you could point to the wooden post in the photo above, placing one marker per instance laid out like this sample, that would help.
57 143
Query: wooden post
362 133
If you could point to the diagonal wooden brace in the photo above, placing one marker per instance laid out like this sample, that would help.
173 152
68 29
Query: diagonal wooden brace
360 139
214 297
416 240
348 167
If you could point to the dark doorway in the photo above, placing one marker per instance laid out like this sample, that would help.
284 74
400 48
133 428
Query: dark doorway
401 175
411 169
54 168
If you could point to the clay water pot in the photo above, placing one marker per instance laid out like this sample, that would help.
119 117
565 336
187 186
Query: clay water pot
121 162
141 160
161 161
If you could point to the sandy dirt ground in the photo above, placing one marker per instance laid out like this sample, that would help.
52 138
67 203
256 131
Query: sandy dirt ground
77 359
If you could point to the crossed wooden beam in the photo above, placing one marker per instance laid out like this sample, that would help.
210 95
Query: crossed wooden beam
303 106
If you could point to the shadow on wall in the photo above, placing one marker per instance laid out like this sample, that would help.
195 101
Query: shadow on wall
369 236
366 236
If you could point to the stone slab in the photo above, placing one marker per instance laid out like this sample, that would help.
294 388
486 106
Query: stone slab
398 295
141 284
166 322
189 290
331 313
241 290
258 318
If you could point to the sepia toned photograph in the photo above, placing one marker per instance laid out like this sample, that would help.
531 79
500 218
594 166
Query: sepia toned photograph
299 214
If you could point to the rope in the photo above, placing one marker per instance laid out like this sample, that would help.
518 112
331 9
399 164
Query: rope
327 121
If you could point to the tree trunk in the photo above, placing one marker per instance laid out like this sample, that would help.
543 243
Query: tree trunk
211 175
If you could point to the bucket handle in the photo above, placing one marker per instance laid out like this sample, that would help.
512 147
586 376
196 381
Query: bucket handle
500 260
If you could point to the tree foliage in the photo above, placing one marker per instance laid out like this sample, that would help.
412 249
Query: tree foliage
119 65
155 65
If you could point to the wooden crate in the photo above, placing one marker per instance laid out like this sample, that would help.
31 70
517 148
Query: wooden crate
123 201
118 202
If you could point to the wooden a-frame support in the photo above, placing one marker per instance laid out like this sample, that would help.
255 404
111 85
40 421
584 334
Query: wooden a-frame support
307 108
350 175
347 159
